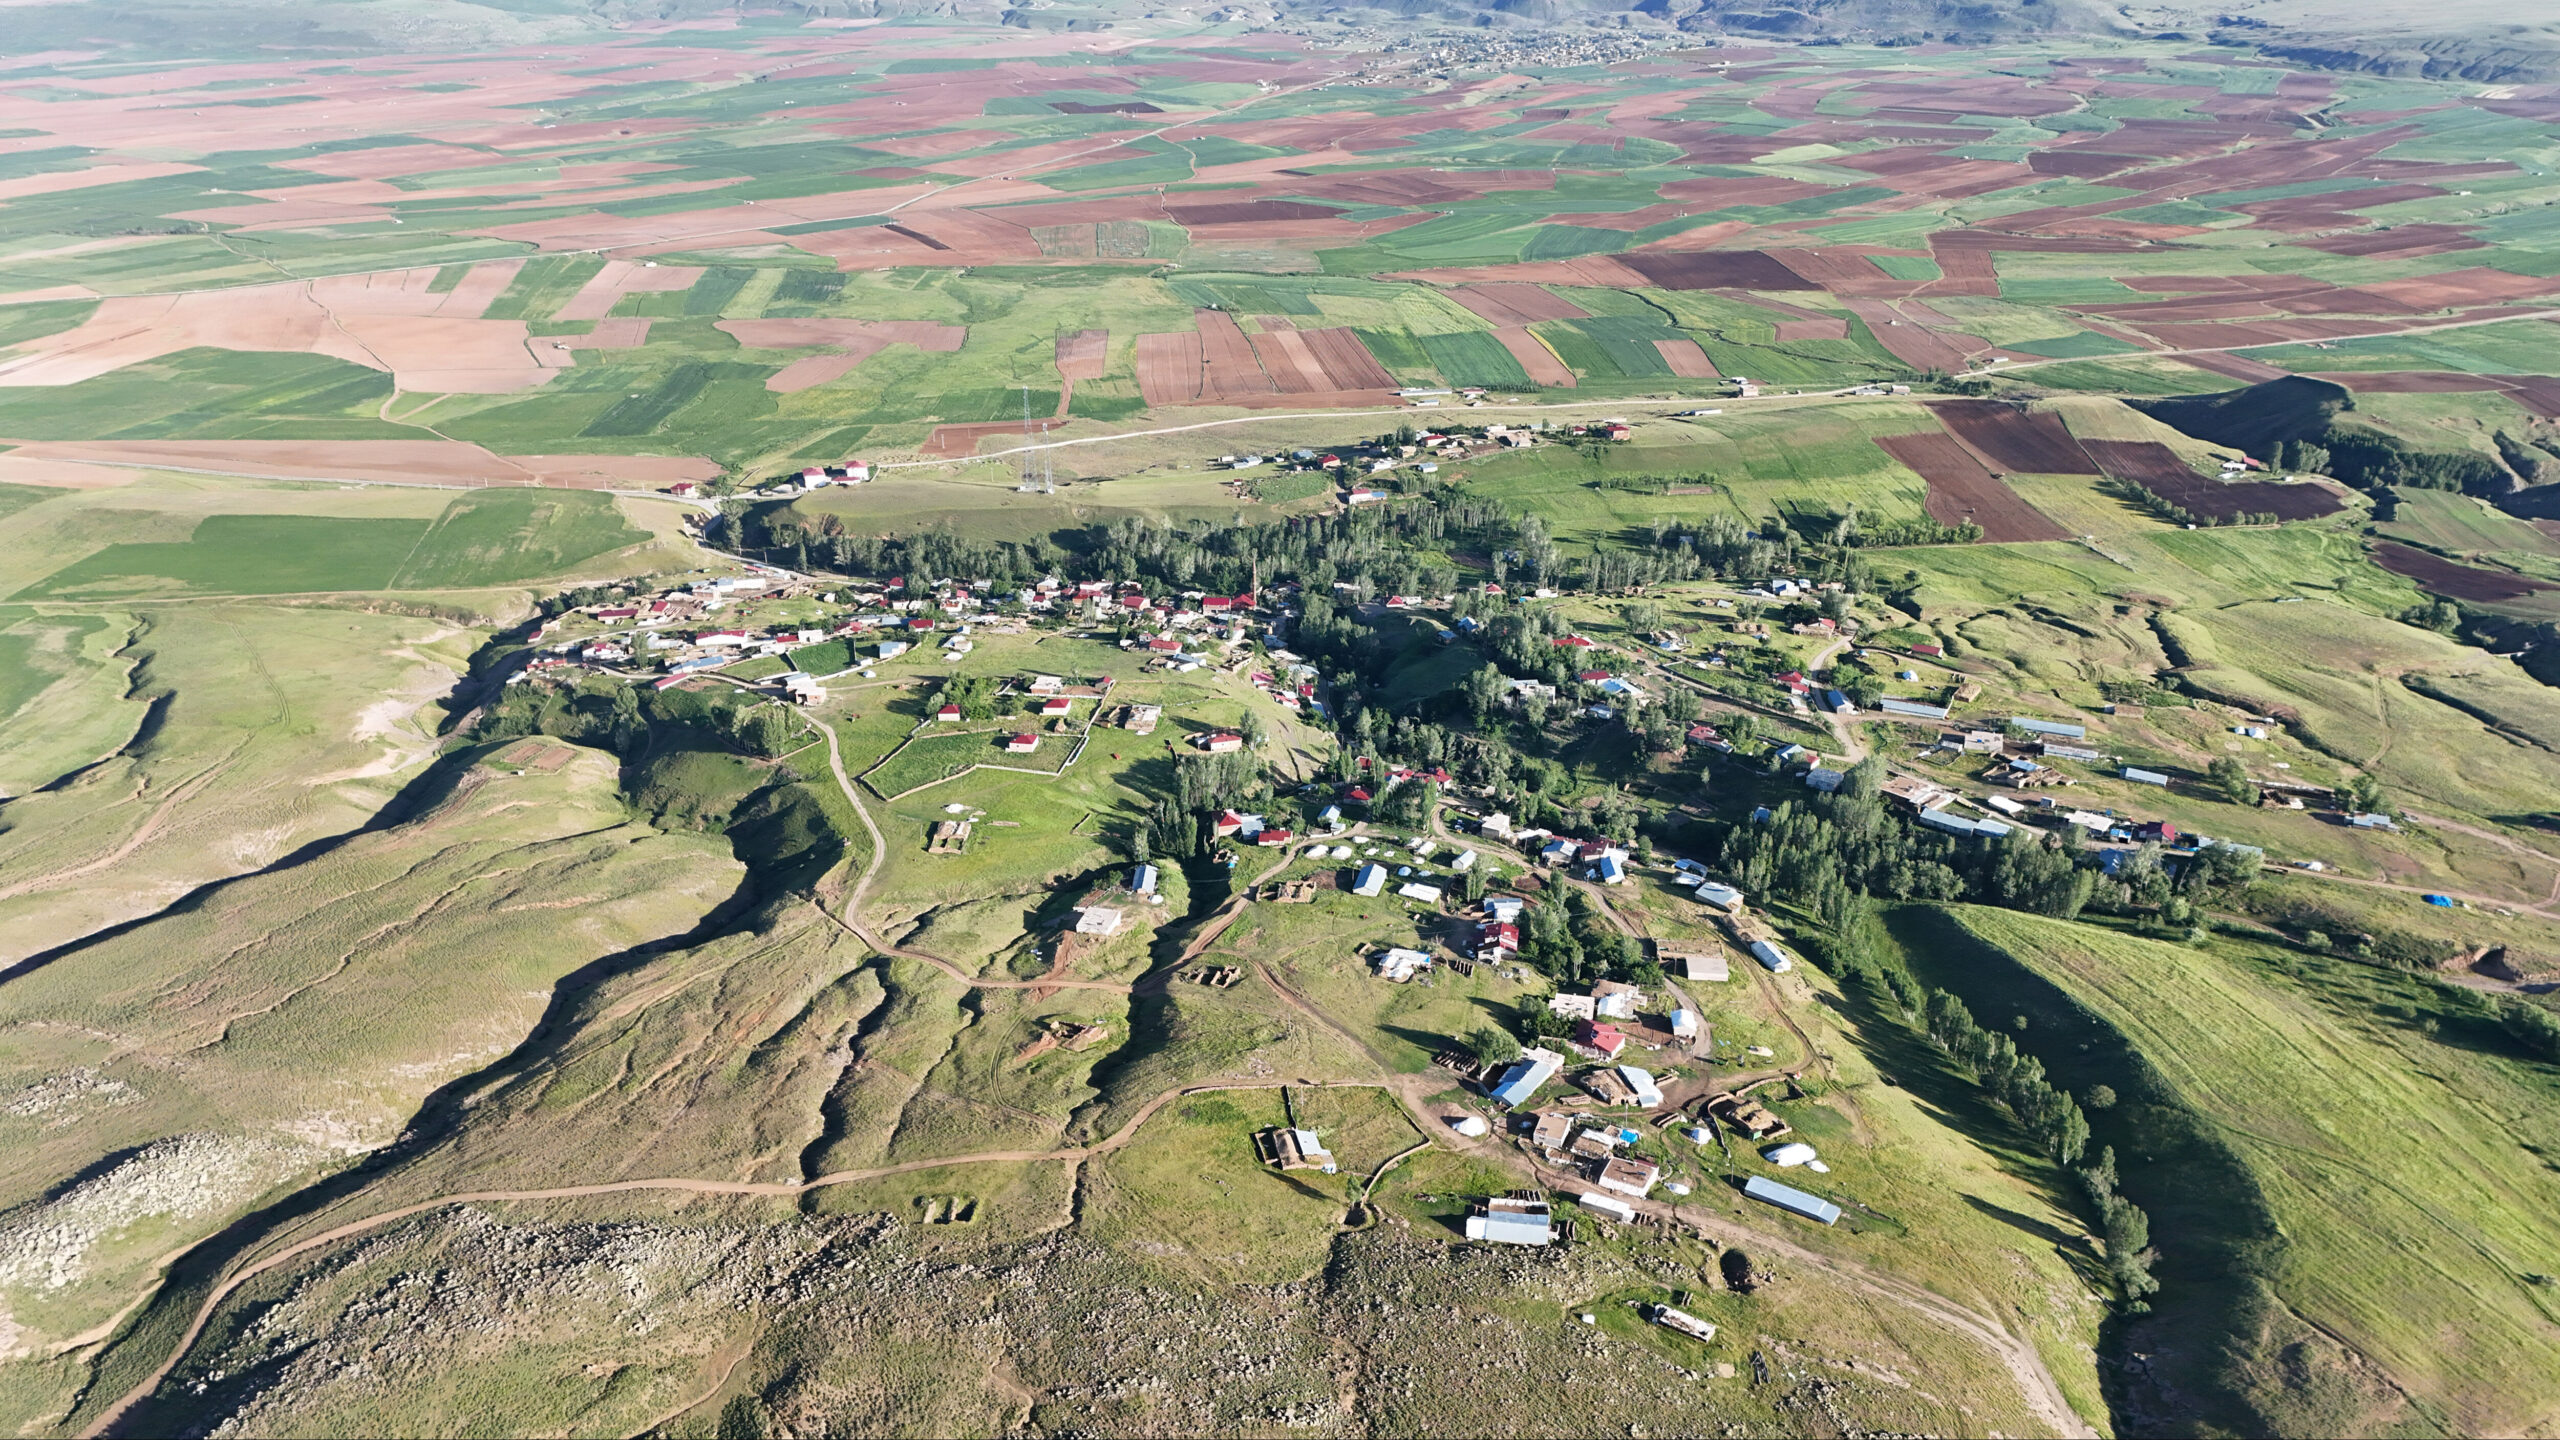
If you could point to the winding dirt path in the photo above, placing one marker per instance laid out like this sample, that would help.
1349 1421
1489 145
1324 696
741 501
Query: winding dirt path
232 1283
2042 1392
2043 1395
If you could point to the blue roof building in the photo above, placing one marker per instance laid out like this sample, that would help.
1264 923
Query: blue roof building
1526 1074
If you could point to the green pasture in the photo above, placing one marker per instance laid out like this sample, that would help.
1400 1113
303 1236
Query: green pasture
210 395
2464 524
2320 1146
486 538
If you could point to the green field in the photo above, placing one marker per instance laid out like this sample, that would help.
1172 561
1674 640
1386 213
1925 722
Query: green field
2320 1142
321 907
493 538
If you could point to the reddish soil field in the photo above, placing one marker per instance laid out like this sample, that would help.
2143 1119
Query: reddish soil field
2016 440
2537 393
1842 272
1716 269
1688 362
623 333
810 371
618 278
2330 211
1218 364
1827 329
1083 355
1120 107
1534 357
956 442
1912 344
2238 367
2398 240
2080 164
1964 257
2440 576
1516 304
1226 357
1347 364
1249 212
2157 468
1961 491
2477 286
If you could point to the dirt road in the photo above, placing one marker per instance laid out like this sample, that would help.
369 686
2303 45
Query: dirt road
231 1283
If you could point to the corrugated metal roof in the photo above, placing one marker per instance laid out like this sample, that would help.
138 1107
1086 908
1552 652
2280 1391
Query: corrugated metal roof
2034 726
1512 1229
1912 708
1787 1197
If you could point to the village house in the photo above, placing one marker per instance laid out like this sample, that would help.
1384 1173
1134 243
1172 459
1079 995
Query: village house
1630 1176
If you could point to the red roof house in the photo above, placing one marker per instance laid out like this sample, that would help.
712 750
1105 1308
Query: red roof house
1603 1038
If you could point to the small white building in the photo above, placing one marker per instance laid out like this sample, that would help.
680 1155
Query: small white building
1098 920
1370 881
1401 965
1416 890
1618 1210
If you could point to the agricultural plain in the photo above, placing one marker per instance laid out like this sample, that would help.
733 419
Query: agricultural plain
787 725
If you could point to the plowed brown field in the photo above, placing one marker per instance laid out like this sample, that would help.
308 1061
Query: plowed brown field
1516 304
1716 269
2440 576
2015 440
1541 363
1961 491
2156 468
1686 360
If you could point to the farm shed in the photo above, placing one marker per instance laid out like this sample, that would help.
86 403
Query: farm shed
1771 958
2034 726
1789 1198
1370 881
2146 777
1533 1069
1618 1210
1954 824
1512 1222
1911 709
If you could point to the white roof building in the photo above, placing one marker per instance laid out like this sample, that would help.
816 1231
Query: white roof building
1401 965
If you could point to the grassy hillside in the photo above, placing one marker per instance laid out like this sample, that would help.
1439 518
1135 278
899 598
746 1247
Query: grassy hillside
2343 1169
172 1072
